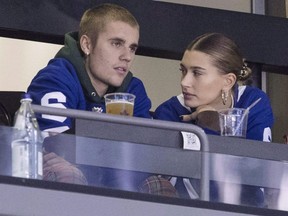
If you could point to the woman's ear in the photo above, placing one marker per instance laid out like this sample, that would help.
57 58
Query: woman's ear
85 44
229 81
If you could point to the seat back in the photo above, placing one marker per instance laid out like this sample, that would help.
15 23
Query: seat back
9 104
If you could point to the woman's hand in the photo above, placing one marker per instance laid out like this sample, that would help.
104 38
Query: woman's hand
205 116
194 115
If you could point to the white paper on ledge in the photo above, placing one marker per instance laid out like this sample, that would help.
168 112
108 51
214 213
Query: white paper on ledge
191 141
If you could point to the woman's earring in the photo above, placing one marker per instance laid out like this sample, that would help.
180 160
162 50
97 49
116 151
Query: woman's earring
224 96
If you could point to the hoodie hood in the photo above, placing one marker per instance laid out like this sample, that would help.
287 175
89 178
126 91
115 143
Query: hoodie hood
72 53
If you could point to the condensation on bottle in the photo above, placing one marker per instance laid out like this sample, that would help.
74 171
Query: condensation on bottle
27 141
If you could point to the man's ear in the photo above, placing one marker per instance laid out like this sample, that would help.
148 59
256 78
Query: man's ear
85 44
229 81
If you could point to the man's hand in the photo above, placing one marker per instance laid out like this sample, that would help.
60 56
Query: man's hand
57 169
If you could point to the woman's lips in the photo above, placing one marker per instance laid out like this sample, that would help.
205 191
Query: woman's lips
188 96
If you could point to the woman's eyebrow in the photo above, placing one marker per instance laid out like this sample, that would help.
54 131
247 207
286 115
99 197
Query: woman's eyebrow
192 67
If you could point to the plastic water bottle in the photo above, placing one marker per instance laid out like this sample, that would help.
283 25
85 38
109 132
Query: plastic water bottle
27 156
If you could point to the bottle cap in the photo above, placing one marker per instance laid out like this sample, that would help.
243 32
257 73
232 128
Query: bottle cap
26 96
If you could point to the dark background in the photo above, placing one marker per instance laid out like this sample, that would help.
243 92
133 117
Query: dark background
166 28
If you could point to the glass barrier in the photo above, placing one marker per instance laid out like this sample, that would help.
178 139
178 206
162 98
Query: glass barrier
157 170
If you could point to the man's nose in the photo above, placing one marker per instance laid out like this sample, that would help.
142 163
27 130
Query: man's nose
126 54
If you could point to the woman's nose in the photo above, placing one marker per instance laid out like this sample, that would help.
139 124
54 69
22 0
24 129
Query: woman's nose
186 81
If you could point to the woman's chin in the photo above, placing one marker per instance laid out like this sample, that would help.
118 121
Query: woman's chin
190 104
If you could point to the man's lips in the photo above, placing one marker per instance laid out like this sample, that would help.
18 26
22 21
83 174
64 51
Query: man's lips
121 70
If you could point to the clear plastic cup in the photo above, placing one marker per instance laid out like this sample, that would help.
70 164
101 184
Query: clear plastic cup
120 103
233 122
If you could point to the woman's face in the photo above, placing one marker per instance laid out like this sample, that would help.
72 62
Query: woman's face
201 81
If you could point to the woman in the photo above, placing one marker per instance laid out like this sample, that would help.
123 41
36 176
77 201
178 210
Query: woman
214 74
213 77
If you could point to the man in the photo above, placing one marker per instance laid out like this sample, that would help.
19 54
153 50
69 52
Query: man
93 62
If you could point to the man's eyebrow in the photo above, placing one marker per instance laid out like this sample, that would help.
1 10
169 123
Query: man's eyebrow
135 45
117 39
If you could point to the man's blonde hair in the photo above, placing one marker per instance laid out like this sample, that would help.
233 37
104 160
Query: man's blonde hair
94 20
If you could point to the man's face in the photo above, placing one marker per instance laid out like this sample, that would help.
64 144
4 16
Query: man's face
110 60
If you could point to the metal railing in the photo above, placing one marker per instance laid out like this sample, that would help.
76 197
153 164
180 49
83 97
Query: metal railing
81 114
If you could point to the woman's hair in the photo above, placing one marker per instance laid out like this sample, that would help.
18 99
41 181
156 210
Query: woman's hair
224 52
94 20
